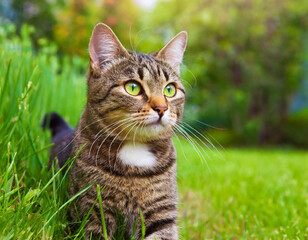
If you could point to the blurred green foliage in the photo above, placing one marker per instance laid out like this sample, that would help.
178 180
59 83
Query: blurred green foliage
40 14
242 67
76 19
246 56
295 129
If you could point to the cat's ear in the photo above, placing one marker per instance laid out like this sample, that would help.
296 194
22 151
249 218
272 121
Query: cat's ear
104 46
173 52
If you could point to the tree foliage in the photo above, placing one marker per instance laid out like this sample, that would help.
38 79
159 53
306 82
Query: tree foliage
77 18
247 58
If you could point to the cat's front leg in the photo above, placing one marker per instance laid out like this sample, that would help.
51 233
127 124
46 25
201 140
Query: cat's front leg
168 233
94 229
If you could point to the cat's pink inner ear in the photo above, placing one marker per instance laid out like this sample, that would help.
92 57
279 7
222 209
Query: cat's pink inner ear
173 52
104 46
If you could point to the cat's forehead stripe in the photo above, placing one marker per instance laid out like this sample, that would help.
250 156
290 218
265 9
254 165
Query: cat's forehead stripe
140 73
148 63
150 67
166 75
158 70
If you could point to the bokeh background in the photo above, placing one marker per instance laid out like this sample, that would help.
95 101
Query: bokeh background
242 153
245 68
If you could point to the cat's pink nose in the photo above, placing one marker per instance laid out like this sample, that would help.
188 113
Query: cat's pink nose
159 105
160 110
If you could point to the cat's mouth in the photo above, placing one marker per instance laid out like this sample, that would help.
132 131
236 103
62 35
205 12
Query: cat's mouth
156 122
152 126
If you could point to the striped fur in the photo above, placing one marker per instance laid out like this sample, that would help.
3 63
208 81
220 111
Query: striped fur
113 118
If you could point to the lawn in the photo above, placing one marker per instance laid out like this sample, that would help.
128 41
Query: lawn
249 194
237 194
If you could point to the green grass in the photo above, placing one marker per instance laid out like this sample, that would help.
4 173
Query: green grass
252 194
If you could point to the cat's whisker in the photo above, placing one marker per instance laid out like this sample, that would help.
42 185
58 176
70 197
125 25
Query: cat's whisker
221 147
109 126
78 133
119 146
185 81
193 76
184 135
207 139
132 127
97 152
138 43
126 136
210 126
130 124
100 133
137 35
188 138
195 145
134 138
141 126
130 38
180 143
207 125
128 119
196 136
111 123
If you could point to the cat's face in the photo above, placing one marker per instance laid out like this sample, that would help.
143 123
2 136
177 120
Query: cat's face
132 95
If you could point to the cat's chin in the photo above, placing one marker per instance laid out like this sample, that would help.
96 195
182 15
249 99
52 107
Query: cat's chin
153 131
156 127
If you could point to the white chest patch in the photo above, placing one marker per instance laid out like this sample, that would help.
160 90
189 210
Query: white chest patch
137 155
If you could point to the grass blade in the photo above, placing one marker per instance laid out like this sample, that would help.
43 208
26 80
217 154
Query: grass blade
101 211
142 225
65 204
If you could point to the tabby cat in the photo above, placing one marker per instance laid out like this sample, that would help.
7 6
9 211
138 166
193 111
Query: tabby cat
133 102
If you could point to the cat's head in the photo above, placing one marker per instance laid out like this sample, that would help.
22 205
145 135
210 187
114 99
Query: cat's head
134 95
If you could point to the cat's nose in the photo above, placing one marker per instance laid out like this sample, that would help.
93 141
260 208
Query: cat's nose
159 105
160 110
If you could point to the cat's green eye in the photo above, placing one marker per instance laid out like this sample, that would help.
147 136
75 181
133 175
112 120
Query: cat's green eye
170 90
133 88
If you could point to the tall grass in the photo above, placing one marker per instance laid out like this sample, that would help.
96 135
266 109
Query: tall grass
31 84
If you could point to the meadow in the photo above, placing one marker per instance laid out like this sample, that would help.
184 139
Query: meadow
235 194
251 194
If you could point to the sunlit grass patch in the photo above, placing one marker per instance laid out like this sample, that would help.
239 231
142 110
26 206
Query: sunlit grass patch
255 194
